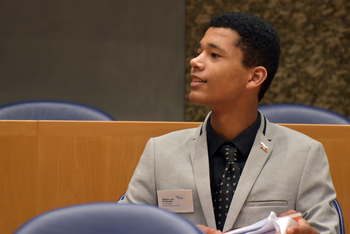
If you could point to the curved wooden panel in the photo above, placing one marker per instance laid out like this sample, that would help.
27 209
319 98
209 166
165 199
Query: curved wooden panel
51 164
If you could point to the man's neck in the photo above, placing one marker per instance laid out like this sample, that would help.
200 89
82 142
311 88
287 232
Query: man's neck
230 124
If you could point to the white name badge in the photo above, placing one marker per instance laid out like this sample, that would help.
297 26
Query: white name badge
177 201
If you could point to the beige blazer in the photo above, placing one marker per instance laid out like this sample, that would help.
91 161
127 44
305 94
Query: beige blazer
292 173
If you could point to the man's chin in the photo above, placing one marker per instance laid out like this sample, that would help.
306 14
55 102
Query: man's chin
197 101
194 99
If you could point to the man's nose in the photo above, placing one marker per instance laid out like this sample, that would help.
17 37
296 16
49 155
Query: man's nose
197 63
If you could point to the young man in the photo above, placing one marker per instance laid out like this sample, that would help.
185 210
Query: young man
272 168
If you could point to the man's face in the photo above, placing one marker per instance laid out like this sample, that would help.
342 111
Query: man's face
218 75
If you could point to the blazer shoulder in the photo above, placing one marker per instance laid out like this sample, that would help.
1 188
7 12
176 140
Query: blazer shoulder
179 135
277 131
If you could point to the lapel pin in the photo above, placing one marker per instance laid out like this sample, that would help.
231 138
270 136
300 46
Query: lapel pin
263 146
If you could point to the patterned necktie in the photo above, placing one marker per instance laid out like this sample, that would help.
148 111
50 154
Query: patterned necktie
227 185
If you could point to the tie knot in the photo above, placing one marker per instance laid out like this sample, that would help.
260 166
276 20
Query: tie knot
229 152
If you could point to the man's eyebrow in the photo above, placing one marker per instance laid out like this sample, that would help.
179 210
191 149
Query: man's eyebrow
211 45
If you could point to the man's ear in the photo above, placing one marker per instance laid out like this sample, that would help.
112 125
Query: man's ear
258 77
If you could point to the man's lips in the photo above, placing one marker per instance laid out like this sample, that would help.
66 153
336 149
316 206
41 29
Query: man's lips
196 82
197 79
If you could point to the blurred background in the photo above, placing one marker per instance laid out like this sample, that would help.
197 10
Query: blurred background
131 58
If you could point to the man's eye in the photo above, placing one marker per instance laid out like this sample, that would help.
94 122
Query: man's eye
213 55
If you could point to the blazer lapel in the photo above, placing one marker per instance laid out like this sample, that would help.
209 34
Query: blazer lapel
200 161
258 155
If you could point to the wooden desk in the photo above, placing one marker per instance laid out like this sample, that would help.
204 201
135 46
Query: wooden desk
50 164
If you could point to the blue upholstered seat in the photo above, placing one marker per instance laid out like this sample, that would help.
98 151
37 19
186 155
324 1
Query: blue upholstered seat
108 218
51 110
302 114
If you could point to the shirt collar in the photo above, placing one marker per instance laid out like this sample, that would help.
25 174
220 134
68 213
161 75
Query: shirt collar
243 141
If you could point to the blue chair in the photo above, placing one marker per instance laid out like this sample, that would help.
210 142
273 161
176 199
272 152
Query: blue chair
51 110
301 114
335 203
122 197
108 218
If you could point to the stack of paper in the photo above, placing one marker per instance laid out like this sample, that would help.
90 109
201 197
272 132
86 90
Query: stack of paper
270 225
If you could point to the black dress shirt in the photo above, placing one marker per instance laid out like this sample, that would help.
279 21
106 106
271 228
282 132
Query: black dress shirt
243 142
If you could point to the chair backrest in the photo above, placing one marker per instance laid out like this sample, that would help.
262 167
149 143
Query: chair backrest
301 114
335 203
51 110
96 218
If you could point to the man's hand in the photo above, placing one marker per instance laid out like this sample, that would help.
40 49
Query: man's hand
303 228
208 230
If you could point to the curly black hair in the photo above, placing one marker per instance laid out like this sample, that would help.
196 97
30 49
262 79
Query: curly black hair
259 42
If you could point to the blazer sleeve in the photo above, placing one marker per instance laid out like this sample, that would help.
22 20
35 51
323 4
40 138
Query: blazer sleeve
141 188
316 192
